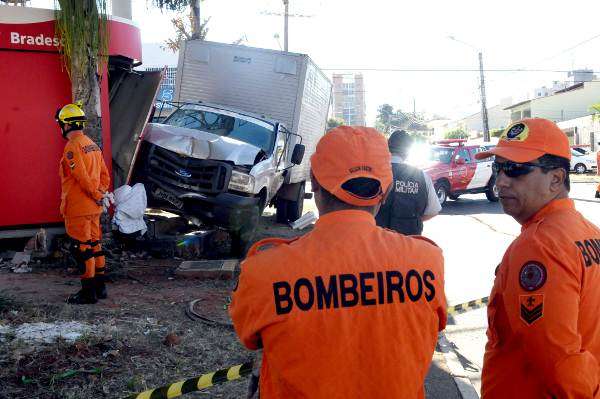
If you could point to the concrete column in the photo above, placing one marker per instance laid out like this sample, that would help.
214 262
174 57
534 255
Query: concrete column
121 8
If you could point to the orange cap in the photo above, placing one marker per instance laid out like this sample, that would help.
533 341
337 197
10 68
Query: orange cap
348 152
529 139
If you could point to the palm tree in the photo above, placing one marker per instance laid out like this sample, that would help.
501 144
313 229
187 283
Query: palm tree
179 5
82 27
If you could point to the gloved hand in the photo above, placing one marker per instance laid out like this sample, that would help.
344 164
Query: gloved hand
108 199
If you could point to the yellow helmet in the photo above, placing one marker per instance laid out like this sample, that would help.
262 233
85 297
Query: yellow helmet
70 114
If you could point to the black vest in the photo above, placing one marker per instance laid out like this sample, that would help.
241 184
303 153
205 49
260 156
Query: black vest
404 208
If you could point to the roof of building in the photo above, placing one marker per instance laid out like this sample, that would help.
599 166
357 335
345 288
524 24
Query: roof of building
517 104
576 86
570 88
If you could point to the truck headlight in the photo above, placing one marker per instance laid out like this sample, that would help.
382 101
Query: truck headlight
240 181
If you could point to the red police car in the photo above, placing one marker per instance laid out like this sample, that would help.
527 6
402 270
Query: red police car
454 170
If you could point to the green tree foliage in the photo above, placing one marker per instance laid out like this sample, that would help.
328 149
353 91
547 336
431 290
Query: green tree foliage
456 134
333 123
385 115
82 28
595 110
496 132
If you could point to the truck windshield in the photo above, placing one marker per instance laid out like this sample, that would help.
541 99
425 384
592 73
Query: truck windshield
441 154
259 133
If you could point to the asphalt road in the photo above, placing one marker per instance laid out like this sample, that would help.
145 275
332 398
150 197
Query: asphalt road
474 233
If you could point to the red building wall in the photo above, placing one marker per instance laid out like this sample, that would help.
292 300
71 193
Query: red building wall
33 85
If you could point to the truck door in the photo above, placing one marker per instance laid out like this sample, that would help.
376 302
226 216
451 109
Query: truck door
280 159
482 170
462 169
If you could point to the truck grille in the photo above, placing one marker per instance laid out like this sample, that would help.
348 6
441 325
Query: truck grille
197 175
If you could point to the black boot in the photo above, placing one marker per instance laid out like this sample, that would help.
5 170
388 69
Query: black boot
87 294
597 194
100 286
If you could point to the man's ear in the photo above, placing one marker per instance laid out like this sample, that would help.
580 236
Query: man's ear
558 178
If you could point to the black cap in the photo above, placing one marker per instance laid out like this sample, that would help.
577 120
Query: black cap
399 142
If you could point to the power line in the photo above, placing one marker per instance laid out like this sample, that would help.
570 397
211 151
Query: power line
443 70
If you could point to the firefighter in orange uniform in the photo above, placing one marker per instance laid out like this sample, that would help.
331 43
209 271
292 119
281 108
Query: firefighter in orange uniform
349 310
84 180
544 322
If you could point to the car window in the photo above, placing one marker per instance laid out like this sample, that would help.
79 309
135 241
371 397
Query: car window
463 153
482 149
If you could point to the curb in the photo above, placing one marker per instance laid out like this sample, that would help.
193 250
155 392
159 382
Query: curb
463 383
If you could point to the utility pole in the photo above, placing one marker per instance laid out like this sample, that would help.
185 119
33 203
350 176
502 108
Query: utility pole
286 3
484 114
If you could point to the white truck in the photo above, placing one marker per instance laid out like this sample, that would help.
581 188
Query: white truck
244 125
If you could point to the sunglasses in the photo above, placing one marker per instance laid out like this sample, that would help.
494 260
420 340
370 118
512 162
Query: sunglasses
516 169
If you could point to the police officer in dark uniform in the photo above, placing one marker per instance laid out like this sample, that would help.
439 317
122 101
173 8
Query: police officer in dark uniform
412 199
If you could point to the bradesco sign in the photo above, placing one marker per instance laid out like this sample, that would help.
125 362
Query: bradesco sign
38 36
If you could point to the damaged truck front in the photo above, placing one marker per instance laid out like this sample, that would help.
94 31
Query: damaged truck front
239 137
217 164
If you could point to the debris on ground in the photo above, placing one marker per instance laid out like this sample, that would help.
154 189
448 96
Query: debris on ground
46 332
20 262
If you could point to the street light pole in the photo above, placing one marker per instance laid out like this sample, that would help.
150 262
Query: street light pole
484 113
286 3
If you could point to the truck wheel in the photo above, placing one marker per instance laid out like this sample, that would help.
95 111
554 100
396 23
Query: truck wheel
242 239
296 206
442 190
282 210
492 191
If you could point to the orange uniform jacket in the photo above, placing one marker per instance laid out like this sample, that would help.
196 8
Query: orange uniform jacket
544 311
349 310
83 177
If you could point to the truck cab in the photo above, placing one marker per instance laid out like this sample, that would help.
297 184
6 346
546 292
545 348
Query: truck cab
215 163
452 166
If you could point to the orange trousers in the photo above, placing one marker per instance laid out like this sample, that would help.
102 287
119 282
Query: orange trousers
86 231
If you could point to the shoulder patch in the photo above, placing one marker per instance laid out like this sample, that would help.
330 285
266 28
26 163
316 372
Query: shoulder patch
69 155
269 243
422 238
532 276
532 307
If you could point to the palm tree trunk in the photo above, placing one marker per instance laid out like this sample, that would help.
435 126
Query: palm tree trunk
196 24
85 87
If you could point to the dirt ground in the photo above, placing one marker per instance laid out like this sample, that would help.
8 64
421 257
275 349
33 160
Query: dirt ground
139 338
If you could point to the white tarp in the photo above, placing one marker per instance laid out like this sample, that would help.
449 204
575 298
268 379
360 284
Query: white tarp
130 205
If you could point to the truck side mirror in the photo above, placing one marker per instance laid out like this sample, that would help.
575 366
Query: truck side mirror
298 154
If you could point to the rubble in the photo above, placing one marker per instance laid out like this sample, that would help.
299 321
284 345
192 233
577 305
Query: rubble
20 262
46 332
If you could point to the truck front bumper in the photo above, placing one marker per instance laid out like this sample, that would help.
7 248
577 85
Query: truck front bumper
227 210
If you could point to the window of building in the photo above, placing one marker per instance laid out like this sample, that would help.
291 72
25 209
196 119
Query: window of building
527 113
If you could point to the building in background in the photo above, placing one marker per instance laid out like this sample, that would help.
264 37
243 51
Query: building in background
574 77
498 118
349 99
570 103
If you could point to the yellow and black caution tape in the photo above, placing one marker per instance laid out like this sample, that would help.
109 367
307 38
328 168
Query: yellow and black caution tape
471 305
195 384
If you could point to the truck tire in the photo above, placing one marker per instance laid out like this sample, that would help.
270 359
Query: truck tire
492 191
296 206
442 189
282 209
242 239
289 210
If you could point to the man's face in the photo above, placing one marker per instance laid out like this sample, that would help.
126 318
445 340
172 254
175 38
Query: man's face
523 196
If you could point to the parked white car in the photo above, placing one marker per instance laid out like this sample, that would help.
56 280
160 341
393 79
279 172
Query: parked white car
582 163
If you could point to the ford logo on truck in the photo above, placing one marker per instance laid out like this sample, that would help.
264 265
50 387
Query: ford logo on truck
183 173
